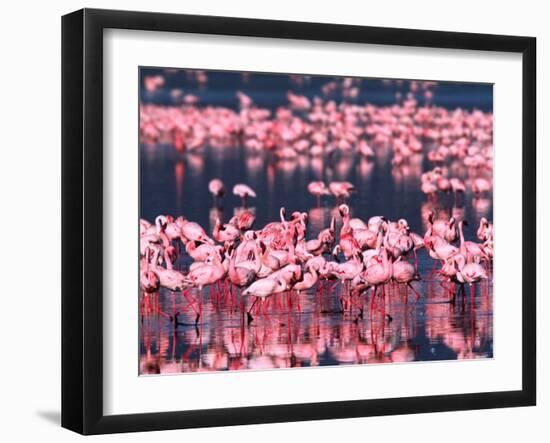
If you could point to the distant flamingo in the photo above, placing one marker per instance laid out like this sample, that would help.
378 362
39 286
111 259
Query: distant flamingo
217 189
318 189
481 186
341 190
244 192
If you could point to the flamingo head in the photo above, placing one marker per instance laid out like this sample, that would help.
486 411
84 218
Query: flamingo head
262 246
297 274
250 235
343 210
428 242
296 216
150 281
403 225
431 217
161 222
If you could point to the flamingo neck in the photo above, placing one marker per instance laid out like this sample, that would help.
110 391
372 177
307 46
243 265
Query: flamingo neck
169 265
461 233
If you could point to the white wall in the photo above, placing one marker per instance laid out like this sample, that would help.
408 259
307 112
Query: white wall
30 197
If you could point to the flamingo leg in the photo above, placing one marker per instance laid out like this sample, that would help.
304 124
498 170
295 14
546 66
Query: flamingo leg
414 290
249 315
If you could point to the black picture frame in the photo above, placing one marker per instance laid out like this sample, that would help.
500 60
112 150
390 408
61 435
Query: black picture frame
82 218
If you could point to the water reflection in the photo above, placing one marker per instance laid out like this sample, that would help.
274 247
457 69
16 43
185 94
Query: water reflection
316 333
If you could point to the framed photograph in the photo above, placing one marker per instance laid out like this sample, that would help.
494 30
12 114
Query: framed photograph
269 221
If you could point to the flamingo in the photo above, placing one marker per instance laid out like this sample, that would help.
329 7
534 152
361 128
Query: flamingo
318 189
193 231
405 273
201 252
148 279
470 248
217 189
169 278
244 220
485 230
378 274
243 274
439 248
341 190
244 192
203 275
348 244
443 228
481 186
227 233
263 288
469 273
309 279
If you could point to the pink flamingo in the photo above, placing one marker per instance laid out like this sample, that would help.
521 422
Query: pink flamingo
309 279
262 289
318 189
169 278
244 192
227 233
480 186
201 251
242 275
193 231
439 248
443 228
378 274
457 186
244 220
341 190
203 275
485 230
470 273
405 273
348 244
470 248
148 280
217 189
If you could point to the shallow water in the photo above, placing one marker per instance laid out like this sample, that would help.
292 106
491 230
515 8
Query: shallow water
309 329
316 333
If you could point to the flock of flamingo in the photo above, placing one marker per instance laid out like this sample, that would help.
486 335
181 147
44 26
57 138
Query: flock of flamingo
351 262
365 255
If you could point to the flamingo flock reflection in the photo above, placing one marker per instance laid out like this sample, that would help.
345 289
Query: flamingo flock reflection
323 284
